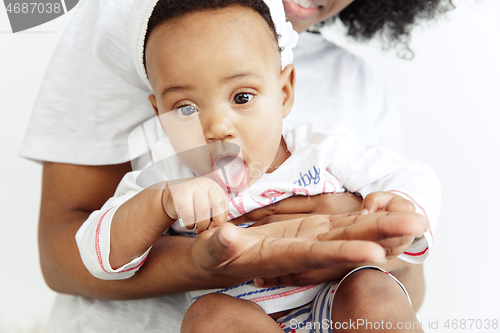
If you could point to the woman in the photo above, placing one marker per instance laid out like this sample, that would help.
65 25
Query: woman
91 82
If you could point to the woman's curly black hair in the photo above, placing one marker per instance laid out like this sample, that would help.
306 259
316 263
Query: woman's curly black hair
391 19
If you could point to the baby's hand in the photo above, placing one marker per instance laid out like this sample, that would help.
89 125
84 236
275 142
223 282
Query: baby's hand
390 202
200 202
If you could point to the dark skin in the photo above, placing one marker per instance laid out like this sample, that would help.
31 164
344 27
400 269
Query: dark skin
71 192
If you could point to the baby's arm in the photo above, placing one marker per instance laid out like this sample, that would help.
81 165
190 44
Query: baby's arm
115 240
199 202
137 224
405 181
366 171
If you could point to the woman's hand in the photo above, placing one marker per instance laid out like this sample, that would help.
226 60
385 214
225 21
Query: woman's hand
381 228
336 204
393 231
302 206
300 245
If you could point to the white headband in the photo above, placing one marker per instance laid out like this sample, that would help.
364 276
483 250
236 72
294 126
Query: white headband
142 10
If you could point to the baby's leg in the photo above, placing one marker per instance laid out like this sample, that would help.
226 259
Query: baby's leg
223 313
375 302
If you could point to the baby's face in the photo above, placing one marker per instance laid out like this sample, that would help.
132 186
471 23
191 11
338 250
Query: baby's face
217 80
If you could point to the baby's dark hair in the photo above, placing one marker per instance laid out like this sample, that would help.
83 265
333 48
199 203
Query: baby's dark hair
169 9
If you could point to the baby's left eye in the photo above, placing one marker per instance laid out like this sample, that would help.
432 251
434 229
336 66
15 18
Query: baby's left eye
186 110
243 98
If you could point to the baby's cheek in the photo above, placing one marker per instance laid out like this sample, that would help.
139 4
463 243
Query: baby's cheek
255 170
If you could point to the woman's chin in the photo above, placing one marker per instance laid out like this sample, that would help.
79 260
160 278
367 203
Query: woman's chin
299 15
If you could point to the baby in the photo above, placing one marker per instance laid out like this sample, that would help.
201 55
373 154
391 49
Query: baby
220 83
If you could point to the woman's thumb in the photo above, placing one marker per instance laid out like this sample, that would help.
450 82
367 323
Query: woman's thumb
219 248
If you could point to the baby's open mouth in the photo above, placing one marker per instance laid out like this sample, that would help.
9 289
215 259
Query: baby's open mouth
231 172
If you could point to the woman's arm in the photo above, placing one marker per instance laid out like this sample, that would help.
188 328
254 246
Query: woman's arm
70 192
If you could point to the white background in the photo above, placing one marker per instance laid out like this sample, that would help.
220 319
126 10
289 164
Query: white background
448 96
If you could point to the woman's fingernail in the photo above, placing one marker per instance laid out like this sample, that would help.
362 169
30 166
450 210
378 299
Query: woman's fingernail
258 282
223 238
364 212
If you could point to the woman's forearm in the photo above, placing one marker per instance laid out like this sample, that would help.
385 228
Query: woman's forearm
169 269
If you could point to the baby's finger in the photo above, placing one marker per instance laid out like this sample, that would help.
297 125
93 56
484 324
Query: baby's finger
183 204
400 205
202 226
185 211
375 201
218 202
188 218
201 211
217 220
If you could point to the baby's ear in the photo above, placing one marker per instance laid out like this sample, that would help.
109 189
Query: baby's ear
154 104
287 83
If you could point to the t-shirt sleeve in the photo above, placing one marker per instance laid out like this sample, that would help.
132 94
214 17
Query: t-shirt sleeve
93 237
91 97
93 240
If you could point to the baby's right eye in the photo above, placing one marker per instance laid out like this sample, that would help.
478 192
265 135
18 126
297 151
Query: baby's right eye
186 110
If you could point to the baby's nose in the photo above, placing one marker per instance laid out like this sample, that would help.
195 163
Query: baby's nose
217 125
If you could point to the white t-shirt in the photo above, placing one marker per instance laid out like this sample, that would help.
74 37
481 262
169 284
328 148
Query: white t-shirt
92 98
324 159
